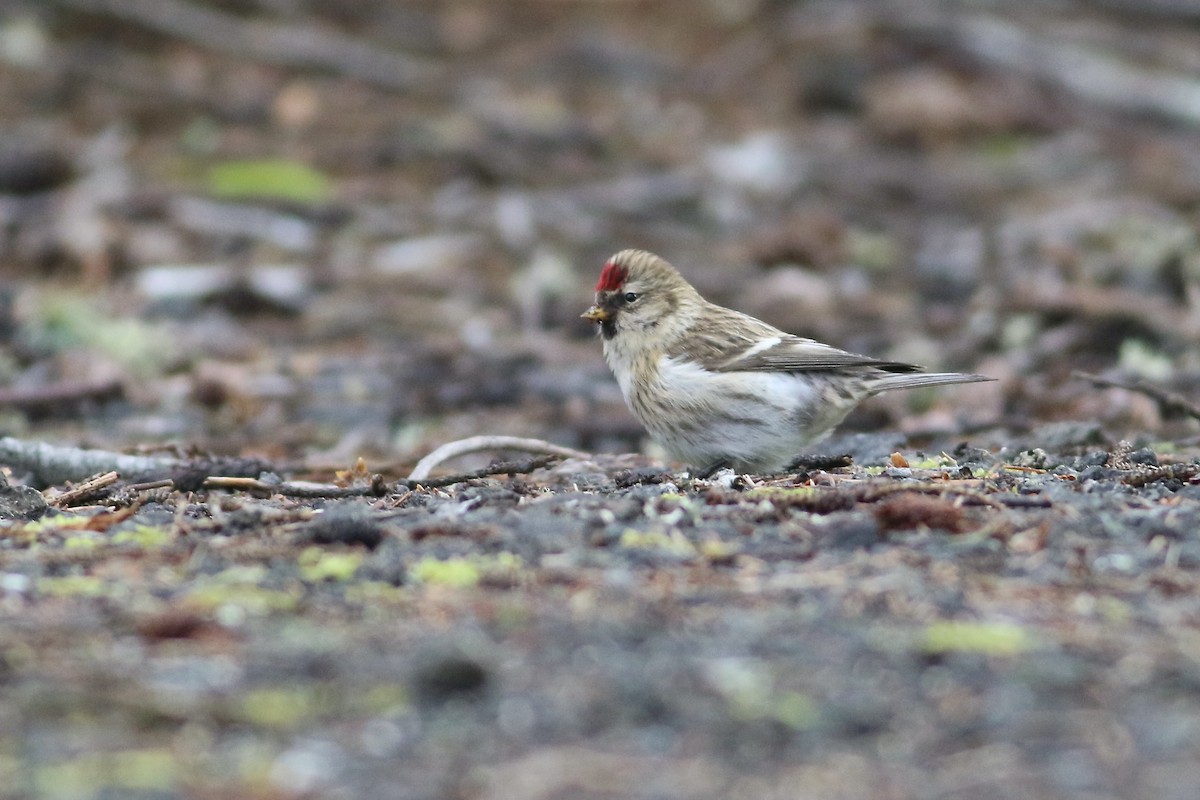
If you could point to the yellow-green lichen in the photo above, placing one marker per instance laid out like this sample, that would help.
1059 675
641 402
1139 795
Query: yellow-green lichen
276 179
666 541
151 770
72 586
318 565
988 638
456 572
941 461
749 689
57 522
84 541
374 592
242 598
784 493
383 698
147 537
464 572
718 550
281 708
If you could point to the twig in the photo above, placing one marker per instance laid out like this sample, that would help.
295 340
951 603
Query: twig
148 485
1023 500
811 462
276 43
50 464
1166 399
873 493
84 491
1169 472
377 488
499 468
476 444
303 490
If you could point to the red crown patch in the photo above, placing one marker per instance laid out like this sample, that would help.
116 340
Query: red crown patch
612 277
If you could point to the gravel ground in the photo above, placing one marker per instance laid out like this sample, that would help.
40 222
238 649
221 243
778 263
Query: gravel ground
286 234
968 624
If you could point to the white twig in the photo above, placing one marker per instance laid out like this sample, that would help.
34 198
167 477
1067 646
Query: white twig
476 444
53 464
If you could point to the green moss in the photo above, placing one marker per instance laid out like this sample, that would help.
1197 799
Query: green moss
458 572
988 638
130 770
73 586
245 598
147 537
318 565
795 710
268 179
67 321
467 571
781 492
941 461
374 592
718 549
57 522
748 687
293 707
1144 360
665 541
241 573
384 698
279 708
88 541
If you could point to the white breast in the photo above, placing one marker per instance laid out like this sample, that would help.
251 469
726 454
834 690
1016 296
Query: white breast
749 418
733 392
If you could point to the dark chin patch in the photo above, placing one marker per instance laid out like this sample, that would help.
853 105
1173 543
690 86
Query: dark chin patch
608 329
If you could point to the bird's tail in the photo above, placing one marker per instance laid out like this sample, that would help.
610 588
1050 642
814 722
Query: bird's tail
911 380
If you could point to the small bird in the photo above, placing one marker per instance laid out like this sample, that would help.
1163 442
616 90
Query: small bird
716 387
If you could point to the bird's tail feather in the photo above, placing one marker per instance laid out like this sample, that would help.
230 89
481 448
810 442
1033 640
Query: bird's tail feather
912 380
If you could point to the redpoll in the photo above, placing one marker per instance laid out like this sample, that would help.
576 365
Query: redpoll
715 386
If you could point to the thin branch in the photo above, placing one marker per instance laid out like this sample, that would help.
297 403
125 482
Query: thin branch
477 444
302 490
499 468
84 491
50 464
872 493
377 488
1167 472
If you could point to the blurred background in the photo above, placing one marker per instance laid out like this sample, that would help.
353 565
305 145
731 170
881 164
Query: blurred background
314 230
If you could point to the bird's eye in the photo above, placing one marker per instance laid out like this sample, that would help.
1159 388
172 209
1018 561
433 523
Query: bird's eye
630 297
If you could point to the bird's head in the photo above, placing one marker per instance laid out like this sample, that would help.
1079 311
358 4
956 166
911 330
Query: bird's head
638 293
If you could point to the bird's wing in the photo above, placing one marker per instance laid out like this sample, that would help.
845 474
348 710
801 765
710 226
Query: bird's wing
730 341
794 354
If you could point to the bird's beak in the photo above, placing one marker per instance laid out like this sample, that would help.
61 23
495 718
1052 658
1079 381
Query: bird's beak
595 314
